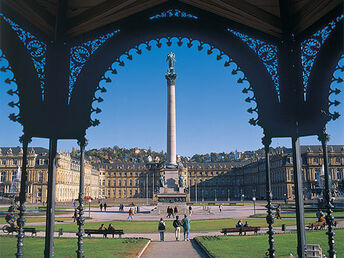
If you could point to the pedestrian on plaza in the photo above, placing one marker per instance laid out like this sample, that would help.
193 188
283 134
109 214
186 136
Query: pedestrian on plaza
74 204
246 224
161 229
169 213
186 227
101 206
190 210
105 206
175 211
75 216
220 207
278 211
131 213
177 224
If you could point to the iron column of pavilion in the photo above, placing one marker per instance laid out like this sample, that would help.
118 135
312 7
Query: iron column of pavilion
171 111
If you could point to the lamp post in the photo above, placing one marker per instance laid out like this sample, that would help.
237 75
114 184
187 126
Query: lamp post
254 205
89 207
147 188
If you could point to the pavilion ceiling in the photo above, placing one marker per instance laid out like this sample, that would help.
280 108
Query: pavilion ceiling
86 15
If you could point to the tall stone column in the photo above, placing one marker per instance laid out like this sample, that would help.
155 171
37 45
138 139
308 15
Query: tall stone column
171 112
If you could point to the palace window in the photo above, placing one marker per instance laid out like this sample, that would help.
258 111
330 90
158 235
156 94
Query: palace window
3 162
337 159
120 174
119 193
130 193
125 193
124 183
15 162
317 175
109 193
119 183
14 175
109 183
130 182
103 183
114 182
339 174
114 193
40 177
3 176
316 160
39 192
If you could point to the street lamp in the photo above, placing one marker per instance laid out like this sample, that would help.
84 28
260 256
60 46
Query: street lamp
89 207
254 204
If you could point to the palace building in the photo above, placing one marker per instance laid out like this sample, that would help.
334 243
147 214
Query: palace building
203 181
67 174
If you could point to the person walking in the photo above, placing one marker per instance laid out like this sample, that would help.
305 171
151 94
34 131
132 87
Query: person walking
175 211
161 229
130 214
278 211
105 206
190 210
186 227
177 224
75 216
101 206
220 207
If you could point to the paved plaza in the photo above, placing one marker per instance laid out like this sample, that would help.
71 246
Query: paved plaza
170 247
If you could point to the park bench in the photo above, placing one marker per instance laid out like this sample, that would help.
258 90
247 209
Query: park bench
240 230
118 232
316 225
26 230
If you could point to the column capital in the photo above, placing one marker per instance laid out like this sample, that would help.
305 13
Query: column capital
323 136
82 142
171 77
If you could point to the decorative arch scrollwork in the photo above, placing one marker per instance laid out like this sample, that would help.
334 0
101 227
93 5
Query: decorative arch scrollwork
189 42
79 55
311 46
173 13
267 54
36 48
337 80
12 81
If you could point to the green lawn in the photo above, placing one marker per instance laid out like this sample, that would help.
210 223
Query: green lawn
151 226
256 246
66 247
336 214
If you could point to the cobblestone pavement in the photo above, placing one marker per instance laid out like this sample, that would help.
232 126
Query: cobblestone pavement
172 249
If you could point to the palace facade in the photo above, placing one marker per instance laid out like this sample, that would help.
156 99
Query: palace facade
67 174
203 181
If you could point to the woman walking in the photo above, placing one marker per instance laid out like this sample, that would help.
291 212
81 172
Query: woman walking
162 228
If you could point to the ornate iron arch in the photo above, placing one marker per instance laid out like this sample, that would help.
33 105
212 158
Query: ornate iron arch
149 30
320 80
24 73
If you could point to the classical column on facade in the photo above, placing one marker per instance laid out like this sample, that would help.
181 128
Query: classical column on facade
49 229
298 186
25 139
324 138
171 112
270 217
81 219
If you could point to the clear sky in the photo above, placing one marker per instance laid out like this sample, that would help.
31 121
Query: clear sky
211 111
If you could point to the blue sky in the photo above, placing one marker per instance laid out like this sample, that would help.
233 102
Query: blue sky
211 111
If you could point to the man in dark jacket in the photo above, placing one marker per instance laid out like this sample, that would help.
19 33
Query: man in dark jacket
177 224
